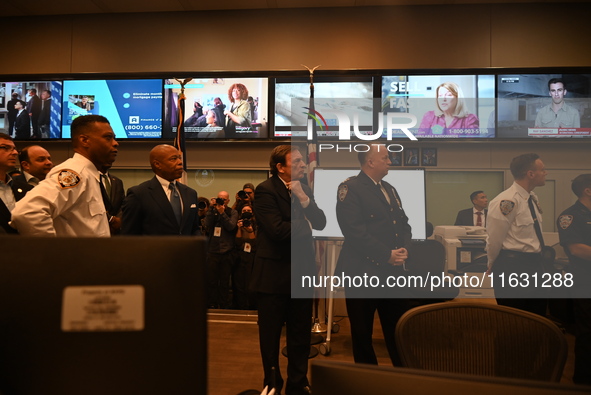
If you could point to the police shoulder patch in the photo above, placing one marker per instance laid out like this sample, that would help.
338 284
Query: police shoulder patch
68 178
506 206
564 221
342 194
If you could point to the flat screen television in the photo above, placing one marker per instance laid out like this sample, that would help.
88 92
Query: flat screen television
213 112
544 105
445 106
410 185
345 94
133 107
42 99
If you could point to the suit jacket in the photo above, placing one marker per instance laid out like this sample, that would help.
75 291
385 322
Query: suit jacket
282 227
45 112
147 211
117 195
34 106
20 187
22 126
466 217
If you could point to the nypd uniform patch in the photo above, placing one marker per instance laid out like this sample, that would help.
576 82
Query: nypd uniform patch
564 221
506 206
68 178
343 189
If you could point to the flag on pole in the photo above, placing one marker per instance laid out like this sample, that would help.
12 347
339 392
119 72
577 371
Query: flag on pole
179 140
313 157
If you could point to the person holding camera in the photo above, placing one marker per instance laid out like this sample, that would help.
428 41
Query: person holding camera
244 197
246 248
220 224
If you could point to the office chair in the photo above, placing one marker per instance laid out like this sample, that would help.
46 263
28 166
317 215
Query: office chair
427 258
481 339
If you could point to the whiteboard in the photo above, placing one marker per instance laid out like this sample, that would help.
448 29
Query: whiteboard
410 184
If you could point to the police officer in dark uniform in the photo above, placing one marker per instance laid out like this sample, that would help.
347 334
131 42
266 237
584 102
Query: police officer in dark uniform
574 229
377 235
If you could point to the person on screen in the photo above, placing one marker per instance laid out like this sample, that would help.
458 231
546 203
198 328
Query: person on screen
84 103
219 107
239 115
476 215
451 112
12 112
22 123
557 114
377 242
34 109
44 114
69 202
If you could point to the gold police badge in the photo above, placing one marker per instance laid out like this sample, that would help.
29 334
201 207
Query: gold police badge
68 178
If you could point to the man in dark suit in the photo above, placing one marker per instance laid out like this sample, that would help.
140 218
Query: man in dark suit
113 198
11 189
45 115
475 216
284 225
12 112
34 109
377 239
161 206
22 123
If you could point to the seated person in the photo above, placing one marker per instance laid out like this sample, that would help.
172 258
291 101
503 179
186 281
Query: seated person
475 216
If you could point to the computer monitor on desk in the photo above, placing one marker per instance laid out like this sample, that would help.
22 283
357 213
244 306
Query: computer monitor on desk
330 378
121 315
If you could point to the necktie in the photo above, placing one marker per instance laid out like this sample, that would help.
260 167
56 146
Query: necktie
106 199
537 228
106 183
175 202
379 184
479 218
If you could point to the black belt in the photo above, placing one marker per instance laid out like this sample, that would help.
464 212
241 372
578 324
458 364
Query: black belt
519 254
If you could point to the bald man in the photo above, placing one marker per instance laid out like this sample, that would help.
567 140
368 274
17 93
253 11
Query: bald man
162 205
35 163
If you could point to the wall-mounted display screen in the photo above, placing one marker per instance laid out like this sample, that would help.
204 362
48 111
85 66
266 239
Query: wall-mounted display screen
133 107
31 110
544 105
292 105
224 108
445 106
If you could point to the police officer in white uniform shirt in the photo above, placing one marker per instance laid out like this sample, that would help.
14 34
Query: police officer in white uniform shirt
69 201
514 243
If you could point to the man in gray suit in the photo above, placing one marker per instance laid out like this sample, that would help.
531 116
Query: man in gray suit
162 205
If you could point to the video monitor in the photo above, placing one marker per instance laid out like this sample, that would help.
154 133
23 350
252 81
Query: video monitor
32 110
218 108
331 95
133 107
445 106
544 105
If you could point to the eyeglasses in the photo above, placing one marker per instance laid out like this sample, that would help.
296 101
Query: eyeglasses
7 148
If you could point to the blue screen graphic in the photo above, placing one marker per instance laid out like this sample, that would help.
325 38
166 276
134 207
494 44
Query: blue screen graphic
133 107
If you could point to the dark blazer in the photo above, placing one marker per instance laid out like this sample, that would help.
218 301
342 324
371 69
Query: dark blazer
466 217
45 112
147 211
20 187
117 195
372 227
22 125
283 226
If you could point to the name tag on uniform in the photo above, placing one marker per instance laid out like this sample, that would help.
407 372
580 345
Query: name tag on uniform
247 247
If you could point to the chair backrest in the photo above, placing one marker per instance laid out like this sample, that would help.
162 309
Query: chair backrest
481 339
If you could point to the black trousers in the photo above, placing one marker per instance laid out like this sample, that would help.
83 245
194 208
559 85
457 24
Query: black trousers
361 316
274 311
514 268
